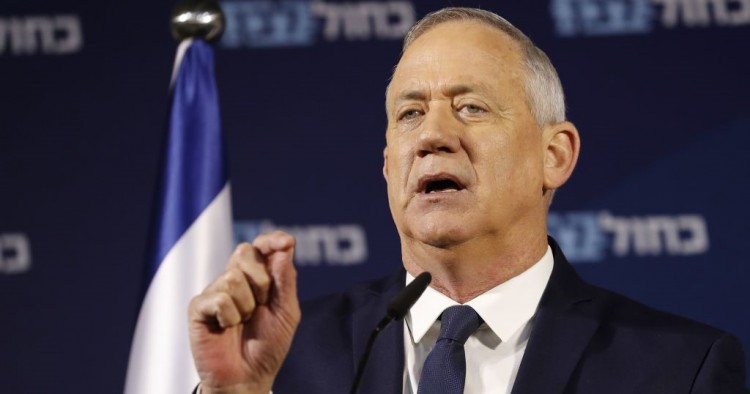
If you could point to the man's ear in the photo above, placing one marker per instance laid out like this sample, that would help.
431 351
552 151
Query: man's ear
385 163
562 145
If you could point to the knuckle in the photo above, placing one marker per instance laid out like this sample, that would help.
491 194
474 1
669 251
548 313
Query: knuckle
222 302
260 239
224 308
228 318
283 235
244 249
263 281
232 279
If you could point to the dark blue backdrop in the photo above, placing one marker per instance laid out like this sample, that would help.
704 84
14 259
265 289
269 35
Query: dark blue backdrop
656 209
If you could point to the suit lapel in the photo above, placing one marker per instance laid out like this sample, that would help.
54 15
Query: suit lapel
563 327
385 369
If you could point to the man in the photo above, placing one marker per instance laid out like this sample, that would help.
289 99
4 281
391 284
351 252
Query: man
477 143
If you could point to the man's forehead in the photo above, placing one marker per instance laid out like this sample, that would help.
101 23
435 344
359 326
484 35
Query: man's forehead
461 36
453 73
463 45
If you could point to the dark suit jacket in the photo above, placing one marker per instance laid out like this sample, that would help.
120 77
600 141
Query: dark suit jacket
584 340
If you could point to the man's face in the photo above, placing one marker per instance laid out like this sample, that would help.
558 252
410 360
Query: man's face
464 155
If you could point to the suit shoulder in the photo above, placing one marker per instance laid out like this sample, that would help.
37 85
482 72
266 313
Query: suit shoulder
661 351
625 313
340 306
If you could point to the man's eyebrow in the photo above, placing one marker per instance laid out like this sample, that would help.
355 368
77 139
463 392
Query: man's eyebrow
450 91
410 95
455 90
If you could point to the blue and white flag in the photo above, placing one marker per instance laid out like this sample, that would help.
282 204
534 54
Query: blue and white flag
193 228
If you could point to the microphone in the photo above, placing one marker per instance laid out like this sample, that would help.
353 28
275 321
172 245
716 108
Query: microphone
397 309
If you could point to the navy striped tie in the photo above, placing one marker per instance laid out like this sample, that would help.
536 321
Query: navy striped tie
444 370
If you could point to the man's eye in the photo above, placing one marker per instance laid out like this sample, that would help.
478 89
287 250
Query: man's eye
410 114
472 109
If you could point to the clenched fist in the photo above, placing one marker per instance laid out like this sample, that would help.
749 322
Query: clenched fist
242 325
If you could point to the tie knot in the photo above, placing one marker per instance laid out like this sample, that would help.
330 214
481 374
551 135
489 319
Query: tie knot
458 322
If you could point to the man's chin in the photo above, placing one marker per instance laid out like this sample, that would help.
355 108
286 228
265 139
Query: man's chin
441 235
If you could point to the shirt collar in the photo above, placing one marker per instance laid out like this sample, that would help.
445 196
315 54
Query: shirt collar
505 308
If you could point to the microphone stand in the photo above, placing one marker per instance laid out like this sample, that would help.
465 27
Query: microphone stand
397 309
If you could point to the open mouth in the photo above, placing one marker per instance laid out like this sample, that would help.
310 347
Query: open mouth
440 184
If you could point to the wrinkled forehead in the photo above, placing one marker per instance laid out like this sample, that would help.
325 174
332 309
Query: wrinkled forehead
458 52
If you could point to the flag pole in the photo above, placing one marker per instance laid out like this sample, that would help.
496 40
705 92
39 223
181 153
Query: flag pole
192 230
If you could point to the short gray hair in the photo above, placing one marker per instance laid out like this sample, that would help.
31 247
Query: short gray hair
544 93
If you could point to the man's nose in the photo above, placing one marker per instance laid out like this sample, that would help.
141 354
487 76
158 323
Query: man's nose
439 133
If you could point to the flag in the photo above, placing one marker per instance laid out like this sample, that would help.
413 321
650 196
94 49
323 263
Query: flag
193 230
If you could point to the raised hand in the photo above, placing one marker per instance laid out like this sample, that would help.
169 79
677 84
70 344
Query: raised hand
242 325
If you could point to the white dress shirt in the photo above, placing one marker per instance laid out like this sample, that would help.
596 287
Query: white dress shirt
495 350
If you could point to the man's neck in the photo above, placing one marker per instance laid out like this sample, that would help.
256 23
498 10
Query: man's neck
464 271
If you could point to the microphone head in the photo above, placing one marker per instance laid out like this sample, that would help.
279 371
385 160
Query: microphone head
403 301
